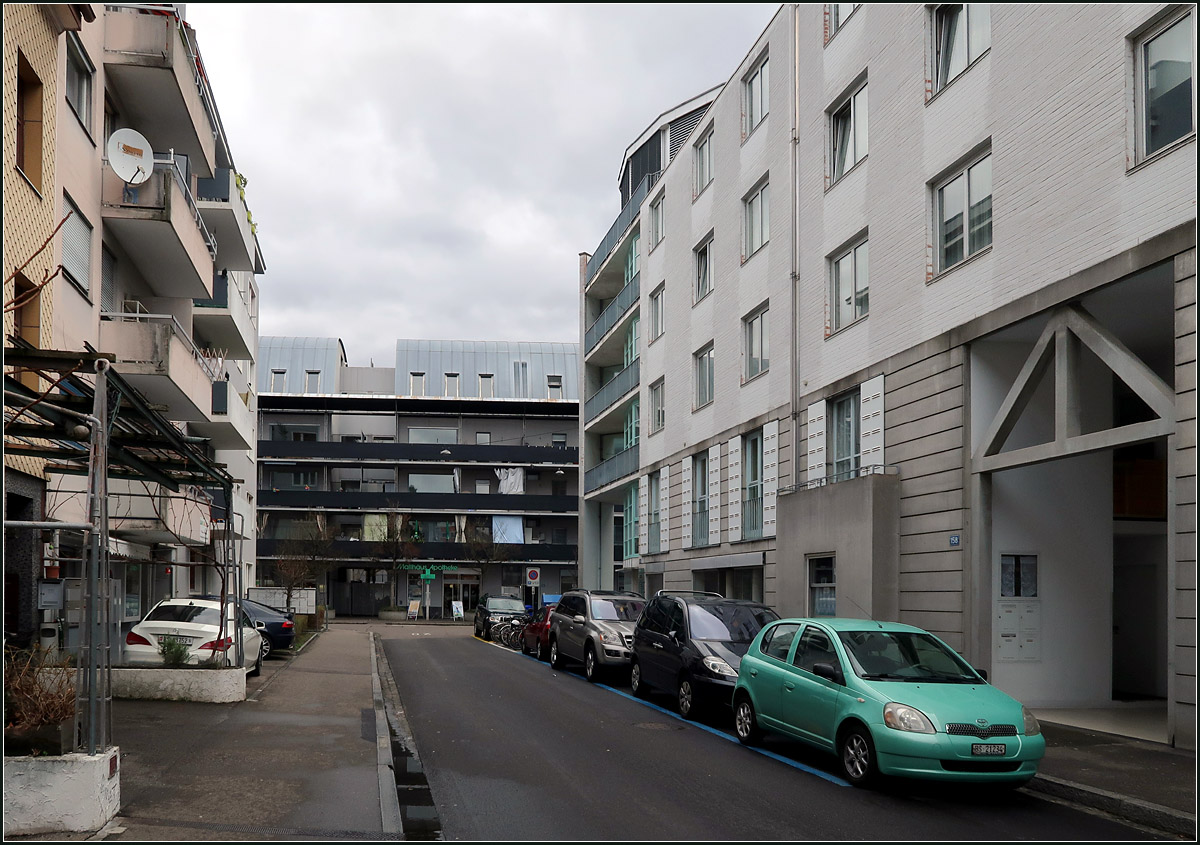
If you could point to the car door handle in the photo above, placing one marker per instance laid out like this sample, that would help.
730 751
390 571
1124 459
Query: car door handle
657 645
753 673
789 686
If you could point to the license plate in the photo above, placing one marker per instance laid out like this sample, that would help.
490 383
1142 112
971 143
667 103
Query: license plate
987 749
170 639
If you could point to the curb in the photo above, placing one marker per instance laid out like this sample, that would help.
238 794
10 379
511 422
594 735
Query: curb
389 801
1121 806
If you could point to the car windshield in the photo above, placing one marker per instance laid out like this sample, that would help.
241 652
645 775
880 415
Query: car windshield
194 613
506 604
905 656
735 623
617 610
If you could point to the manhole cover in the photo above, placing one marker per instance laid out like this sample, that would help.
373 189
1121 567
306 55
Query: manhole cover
657 726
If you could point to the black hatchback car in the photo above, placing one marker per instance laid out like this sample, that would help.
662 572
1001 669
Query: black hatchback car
690 645
280 631
492 610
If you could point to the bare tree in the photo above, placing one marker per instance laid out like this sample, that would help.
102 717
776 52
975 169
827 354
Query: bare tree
305 557
403 544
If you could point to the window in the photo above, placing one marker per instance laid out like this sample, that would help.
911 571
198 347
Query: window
631 258
482 485
79 80
758 345
444 436
452 385
521 379
656 221
658 416
483 438
657 317
630 349
838 13
558 441
653 513
108 280
278 381
849 287
700 499
76 246
419 482
964 214
758 220
704 162
704 280
778 641
1018 576
629 532
554 387
848 125
822 587
843 434
27 322
962 33
416 384
752 481
1165 87
757 98
704 376
29 122
312 381
486 390
633 418
814 647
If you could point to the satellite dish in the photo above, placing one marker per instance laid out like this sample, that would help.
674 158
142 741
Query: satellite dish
130 155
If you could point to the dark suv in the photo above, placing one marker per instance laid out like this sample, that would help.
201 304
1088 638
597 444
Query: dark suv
690 644
595 628
492 610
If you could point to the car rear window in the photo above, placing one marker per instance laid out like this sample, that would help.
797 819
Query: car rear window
505 604
736 623
194 613
614 610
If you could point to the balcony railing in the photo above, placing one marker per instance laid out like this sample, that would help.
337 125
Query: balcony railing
152 194
700 524
618 466
860 472
210 363
617 230
617 386
612 313
752 518
220 297
654 534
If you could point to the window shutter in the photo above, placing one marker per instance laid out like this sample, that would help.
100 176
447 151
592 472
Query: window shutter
688 504
664 508
770 475
643 513
735 489
77 246
816 441
714 494
870 408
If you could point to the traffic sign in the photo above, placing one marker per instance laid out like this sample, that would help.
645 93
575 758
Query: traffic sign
427 576
532 577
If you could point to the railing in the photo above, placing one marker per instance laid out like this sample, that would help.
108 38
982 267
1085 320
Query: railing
654 534
211 364
752 518
700 524
623 222
217 188
617 386
860 472
220 297
612 313
618 466
153 194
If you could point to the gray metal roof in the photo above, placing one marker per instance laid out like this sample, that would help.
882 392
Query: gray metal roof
297 356
501 359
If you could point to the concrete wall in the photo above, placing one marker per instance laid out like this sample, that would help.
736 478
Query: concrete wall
76 793
1182 477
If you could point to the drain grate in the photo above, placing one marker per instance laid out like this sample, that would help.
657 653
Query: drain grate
418 815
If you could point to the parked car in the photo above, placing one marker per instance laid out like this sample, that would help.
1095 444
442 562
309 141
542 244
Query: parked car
690 644
887 699
280 631
492 610
196 623
535 639
595 628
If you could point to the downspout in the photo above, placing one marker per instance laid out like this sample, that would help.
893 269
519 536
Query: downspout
794 343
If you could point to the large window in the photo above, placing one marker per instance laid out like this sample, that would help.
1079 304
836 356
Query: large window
1166 104
554 387
451 385
838 13
844 434
962 33
752 485
486 387
416 384
633 423
704 161
758 346
849 287
80 72
964 214
428 482
629 528
432 435
657 407
29 122
700 499
703 362
758 220
657 220
848 125
822 587
653 513
76 246
757 96
312 381
704 280
278 381
657 315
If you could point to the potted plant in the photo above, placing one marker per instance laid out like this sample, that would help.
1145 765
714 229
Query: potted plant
39 702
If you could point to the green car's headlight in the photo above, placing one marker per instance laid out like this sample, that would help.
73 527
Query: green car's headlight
719 667
901 717
1032 728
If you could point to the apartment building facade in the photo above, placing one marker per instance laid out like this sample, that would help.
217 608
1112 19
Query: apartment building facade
158 276
990 322
450 475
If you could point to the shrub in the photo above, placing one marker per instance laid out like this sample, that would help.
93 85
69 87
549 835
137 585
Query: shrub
39 687
174 653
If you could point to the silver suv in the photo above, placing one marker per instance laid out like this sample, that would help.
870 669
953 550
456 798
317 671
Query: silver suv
595 628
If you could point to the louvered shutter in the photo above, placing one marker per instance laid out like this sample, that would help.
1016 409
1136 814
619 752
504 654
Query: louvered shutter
686 491
735 489
77 246
870 407
770 475
816 441
643 514
664 508
714 495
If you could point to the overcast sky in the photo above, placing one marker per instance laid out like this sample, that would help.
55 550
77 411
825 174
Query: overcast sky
434 171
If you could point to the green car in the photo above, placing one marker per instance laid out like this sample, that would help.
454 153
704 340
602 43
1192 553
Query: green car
887 699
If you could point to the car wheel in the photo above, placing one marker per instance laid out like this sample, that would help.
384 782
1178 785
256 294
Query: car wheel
636 685
555 657
591 669
487 632
257 670
266 647
524 645
686 698
478 630
542 651
857 753
745 722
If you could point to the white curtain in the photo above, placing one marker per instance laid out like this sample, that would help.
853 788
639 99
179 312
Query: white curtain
508 529
512 479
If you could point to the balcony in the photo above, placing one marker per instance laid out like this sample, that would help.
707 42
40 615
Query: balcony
612 313
620 225
381 551
149 513
453 502
606 472
151 65
160 360
700 536
354 454
230 424
223 208
752 518
225 320
654 534
160 227
617 388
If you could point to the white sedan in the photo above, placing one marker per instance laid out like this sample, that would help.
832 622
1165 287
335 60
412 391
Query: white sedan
195 623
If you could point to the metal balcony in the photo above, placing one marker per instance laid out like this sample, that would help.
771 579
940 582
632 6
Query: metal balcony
620 226
606 472
224 210
612 313
616 389
752 518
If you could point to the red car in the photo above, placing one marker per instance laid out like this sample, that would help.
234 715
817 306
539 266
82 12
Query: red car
535 639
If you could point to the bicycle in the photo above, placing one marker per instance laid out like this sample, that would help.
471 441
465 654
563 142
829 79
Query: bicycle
508 633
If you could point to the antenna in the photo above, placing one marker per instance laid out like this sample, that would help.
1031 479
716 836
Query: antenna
130 156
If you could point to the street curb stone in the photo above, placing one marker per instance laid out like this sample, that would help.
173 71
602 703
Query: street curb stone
1122 806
